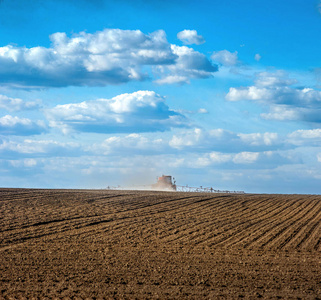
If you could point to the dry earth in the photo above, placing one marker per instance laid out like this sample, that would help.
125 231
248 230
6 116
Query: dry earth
98 244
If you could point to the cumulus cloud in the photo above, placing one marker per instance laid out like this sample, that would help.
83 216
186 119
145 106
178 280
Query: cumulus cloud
141 111
278 95
39 148
202 111
259 139
224 140
189 64
189 37
111 56
225 57
16 104
10 125
275 79
257 57
198 140
301 137
286 101
283 113
134 143
245 157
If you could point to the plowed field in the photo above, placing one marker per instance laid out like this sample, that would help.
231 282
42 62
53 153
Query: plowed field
77 244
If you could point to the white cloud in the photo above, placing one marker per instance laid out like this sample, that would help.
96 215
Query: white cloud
47 148
26 163
140 111
275 79
245 157
306 134
189 37
248 93
224 140
10 125
133 143
189 64
16 104
278 95
111 56
303 137
190 138
217 157
202 111
225 57
258 139
257 57
285 101
282 113
172 79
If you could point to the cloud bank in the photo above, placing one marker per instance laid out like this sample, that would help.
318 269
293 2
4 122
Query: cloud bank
141 111
286 102
10 125
16 104
111 56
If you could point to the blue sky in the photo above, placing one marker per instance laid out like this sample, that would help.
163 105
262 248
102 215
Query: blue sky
215 93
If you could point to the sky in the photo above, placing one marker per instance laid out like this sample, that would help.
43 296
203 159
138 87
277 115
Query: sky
222 94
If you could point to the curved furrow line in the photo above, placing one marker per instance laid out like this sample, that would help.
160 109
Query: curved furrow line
76 210
255 224
30 197
173 208
313 235
156 208
307 241
268 222
34 219
219 220
57 225
27 234
119 219
145 213
266 230
290 231
68 215
317 245
59 197
49 222
22 240
285 224
223 227
302 230
65 227
237 230
14 194
255 211
203 215
167 203
158 223
67 219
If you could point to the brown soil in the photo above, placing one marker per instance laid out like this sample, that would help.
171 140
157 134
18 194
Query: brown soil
98 244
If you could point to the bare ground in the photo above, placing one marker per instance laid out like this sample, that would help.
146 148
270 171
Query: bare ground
77 244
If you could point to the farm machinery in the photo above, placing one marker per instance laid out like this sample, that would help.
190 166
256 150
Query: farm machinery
165 182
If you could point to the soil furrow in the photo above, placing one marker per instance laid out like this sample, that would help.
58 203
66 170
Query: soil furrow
285 225
233 228
260 232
